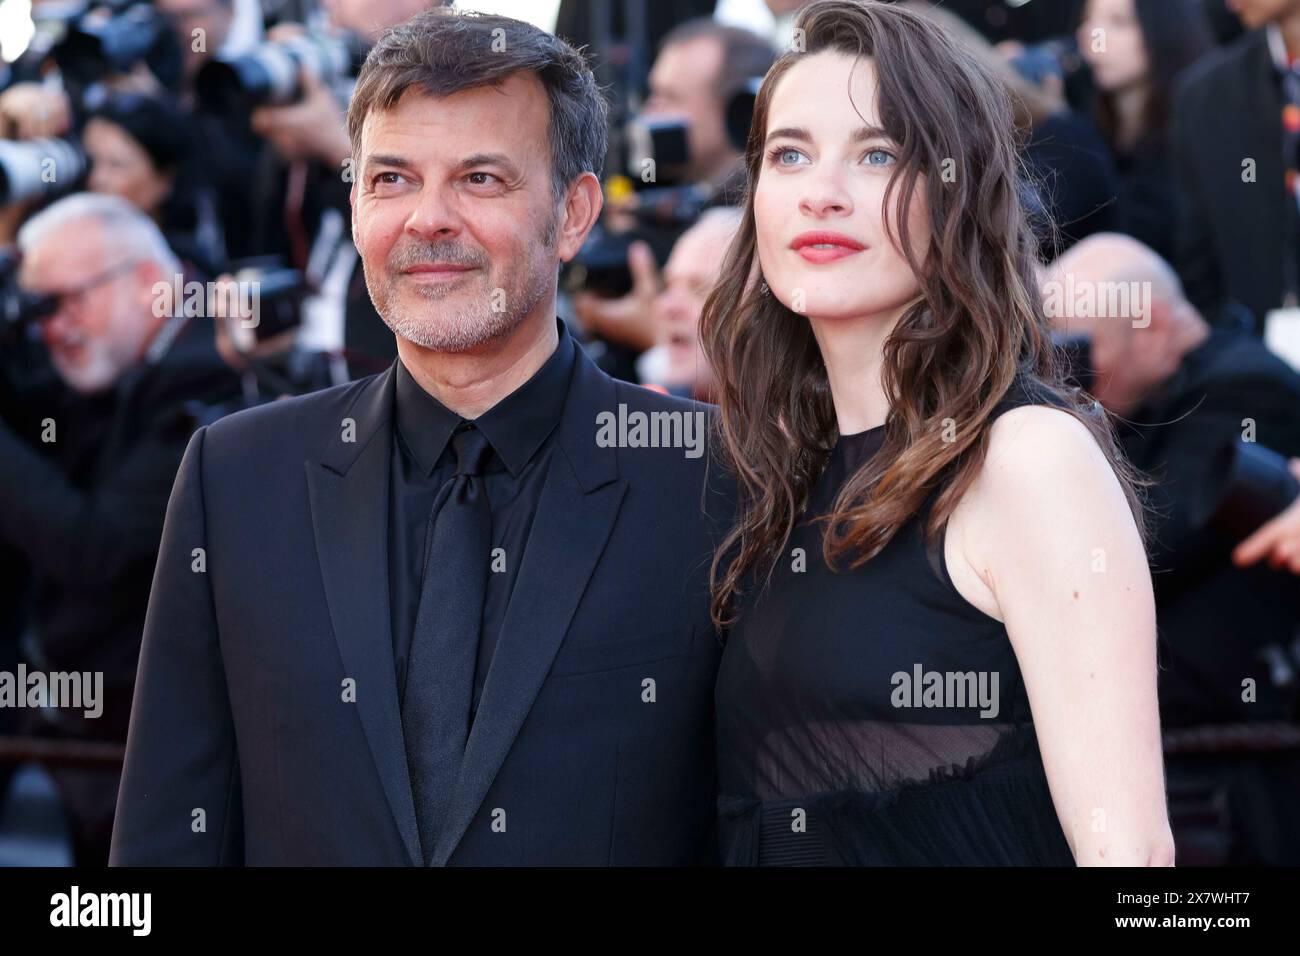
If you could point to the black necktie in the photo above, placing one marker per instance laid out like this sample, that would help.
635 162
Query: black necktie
444 645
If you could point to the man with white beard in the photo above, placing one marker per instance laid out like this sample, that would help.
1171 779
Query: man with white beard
86 465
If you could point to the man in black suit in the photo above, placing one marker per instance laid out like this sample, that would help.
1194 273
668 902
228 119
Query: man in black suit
455 613
1239 234
1182 392
85 469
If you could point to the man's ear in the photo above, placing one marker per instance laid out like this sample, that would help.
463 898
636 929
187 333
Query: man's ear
582 205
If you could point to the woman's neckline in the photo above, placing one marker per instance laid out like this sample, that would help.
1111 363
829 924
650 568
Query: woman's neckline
864 433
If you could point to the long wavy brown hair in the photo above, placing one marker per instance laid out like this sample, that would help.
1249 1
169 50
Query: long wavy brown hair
952 356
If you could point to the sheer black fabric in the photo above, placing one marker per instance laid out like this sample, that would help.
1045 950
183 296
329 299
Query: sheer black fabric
874 716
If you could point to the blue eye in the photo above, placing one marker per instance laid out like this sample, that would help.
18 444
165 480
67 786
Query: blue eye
778 155
880 157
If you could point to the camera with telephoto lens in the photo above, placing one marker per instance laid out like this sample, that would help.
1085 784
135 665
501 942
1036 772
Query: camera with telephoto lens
39 169
111 37
271 74
272 293
658 146
663 201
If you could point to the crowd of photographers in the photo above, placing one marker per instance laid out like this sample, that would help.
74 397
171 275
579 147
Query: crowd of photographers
174 246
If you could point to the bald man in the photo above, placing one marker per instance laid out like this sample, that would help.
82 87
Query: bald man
677 362
1180 390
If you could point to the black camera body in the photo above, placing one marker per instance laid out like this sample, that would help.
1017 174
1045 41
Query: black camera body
279 291
20 311
1248 485
112 37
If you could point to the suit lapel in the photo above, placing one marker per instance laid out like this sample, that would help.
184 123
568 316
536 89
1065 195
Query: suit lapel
348 489
579 503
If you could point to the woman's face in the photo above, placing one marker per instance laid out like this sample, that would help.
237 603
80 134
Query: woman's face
1110 39
121 167
827 246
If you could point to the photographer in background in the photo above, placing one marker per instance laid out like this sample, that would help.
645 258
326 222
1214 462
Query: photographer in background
85 475
202 28
135 65
1187 395
304 191
676 362
1136 50
701 65
140 148
232 151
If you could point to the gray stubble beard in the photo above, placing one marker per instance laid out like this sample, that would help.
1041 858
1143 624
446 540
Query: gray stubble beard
475 326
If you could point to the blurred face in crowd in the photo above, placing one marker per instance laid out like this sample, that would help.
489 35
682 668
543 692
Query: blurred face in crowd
453 214
1110 39
121 167
104 319
1128 362
684 85
689 276
201 28
826 244
1257 13
367 17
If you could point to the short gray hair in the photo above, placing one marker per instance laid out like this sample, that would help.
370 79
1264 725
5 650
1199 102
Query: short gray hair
440 52
121 225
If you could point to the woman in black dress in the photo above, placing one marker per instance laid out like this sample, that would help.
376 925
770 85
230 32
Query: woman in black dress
940 631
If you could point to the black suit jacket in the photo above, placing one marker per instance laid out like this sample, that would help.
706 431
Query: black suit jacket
1214 617
88 519
593 743
1231 233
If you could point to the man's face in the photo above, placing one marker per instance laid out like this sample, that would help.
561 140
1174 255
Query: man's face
453 215
1127 362
689 277
101 327
1256 13
684 85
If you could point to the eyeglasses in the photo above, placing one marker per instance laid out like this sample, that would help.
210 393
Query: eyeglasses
43 306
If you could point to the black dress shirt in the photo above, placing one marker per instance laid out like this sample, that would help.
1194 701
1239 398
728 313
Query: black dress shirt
521 430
